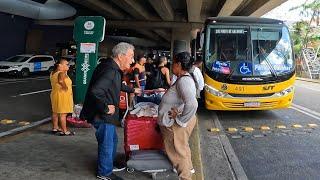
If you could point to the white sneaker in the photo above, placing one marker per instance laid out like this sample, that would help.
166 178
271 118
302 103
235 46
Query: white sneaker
191 170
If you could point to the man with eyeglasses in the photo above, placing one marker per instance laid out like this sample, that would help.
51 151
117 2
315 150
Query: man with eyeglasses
101 106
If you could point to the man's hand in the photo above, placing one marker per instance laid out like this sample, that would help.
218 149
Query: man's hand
137 90
112 109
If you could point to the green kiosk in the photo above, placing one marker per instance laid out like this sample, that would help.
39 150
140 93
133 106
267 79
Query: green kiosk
88 32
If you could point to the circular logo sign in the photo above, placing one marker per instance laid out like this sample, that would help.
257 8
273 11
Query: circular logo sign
88 25
224 87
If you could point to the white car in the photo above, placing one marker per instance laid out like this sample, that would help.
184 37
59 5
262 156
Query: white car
23 65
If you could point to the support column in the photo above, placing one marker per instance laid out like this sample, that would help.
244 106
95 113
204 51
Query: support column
181 39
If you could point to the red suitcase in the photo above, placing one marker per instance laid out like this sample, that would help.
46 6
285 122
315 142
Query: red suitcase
141 134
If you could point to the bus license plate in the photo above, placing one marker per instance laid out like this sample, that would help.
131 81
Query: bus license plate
252 104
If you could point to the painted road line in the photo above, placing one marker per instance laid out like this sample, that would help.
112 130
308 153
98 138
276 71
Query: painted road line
233 160
306 87
232 130
7 121
25 79
35 92
265 128
281 127
19 129
30 93
248 129
312 125
297 126
23 123
216 130
15 82
306 111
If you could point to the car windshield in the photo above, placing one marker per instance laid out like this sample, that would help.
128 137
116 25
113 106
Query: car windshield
243 51
17 59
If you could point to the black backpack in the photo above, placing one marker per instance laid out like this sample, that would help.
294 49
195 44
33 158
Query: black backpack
156 79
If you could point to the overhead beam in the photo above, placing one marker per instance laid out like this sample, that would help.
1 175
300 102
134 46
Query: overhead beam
163 8
267 7
107 9
135 9
149 34
194 10
130 24
164 34
229 7
138 11
103 8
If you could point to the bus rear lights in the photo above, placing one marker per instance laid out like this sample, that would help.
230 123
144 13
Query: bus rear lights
286 91
214 91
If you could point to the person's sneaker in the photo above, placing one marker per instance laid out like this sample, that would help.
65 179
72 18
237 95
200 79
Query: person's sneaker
110 177
191 170
118 167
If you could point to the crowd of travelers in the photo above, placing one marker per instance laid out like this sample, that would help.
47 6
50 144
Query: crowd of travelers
178 104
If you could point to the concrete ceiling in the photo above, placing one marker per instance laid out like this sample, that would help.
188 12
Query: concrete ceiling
155 19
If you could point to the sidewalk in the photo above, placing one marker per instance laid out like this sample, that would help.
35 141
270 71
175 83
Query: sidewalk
37 154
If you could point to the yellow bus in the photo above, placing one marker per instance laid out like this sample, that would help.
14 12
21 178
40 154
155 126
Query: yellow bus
248 64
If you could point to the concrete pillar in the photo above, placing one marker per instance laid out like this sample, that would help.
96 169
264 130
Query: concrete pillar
181 39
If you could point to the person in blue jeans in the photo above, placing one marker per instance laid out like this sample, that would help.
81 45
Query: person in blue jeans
101 106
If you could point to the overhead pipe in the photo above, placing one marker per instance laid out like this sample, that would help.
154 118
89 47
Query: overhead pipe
52 9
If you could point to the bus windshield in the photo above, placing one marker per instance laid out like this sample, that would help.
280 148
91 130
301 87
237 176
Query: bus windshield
249 51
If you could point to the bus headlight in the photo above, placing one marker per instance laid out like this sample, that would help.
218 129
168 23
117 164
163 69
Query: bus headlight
214 91
286 91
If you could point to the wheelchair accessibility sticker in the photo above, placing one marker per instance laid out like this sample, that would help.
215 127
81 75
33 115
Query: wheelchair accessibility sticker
37 66
245 68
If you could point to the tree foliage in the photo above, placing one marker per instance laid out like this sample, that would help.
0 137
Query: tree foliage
306 33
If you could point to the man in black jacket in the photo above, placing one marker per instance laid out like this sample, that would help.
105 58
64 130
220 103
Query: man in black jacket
101 105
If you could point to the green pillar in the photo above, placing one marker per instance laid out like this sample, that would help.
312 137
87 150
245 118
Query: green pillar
88 32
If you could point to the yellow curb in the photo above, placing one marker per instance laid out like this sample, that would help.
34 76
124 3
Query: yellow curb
281 127
297 126
196 153
214 130
24 123
312 125
232 130
7 121
265 128
248 129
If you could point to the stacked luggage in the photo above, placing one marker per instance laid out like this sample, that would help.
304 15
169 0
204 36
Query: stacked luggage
143 144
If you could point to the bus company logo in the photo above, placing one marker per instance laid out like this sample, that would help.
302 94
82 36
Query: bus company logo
224 87
89 25
266 88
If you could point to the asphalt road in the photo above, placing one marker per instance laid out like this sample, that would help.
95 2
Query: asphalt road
290 153
24 99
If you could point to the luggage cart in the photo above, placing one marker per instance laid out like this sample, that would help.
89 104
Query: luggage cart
143 145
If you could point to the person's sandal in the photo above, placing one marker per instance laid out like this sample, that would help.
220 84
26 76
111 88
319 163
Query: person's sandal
68 133
55 131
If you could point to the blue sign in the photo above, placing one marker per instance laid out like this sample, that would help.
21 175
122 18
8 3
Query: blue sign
37 66
221 67
245 68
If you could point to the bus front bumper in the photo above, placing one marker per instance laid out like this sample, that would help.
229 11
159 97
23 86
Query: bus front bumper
213 102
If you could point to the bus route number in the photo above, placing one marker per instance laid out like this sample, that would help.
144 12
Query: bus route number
239 88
